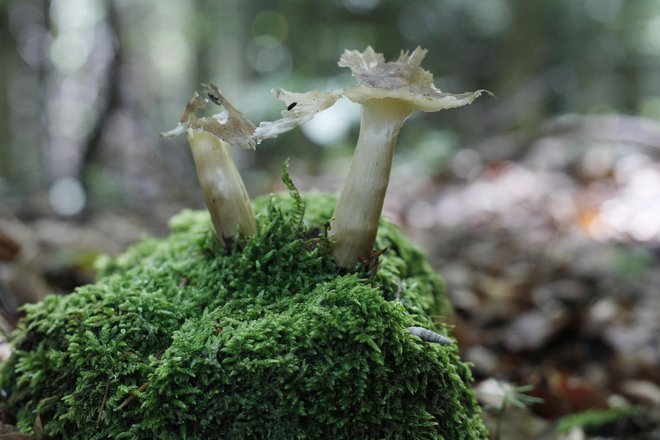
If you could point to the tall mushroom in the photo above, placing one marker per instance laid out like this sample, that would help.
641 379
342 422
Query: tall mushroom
388 92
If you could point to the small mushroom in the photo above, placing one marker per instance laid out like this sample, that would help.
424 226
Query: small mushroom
388 92
210 140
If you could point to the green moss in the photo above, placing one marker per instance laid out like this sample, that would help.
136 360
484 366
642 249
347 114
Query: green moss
180 338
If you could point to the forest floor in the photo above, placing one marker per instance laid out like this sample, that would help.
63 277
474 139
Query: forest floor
552 262
550 254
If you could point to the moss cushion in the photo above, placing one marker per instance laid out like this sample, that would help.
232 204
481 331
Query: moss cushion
182 338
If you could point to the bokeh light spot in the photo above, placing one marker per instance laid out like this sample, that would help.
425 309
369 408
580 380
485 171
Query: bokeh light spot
650 107
361 6
491 17
267 54
649 39
332 125
76 14
467 164
270 23
171 55
69 51
604 11
417 22
67 196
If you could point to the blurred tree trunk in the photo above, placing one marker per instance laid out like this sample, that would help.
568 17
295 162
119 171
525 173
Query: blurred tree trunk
24 65
6 55
523 50
221 44
112 97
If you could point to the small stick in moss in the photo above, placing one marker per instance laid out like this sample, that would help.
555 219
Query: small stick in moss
132 397
429 336
102 406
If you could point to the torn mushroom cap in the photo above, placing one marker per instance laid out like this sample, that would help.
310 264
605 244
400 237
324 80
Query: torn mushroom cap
301 107
234 128
402 80
229 125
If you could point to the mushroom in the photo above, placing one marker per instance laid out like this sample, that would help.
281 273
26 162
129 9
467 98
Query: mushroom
210 140
388 92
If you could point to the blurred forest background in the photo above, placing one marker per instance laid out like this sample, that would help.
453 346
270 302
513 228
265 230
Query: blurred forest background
540 208
87 85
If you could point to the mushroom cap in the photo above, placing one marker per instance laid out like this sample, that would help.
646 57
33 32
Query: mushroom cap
402 80
230 125
233 127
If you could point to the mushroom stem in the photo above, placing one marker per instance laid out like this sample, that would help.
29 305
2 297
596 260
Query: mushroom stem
224 192
360 204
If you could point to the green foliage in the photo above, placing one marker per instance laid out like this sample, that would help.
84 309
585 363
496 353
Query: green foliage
507 395
599 421
516 396
182 338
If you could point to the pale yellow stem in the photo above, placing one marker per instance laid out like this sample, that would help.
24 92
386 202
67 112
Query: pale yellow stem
360 204
224 192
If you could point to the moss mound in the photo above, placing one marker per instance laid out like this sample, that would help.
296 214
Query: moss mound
181 338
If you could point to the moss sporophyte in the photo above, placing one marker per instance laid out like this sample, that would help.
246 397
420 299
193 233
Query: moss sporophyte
269 327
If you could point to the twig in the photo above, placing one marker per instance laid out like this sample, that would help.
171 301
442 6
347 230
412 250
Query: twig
429 336
132 397
102 407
